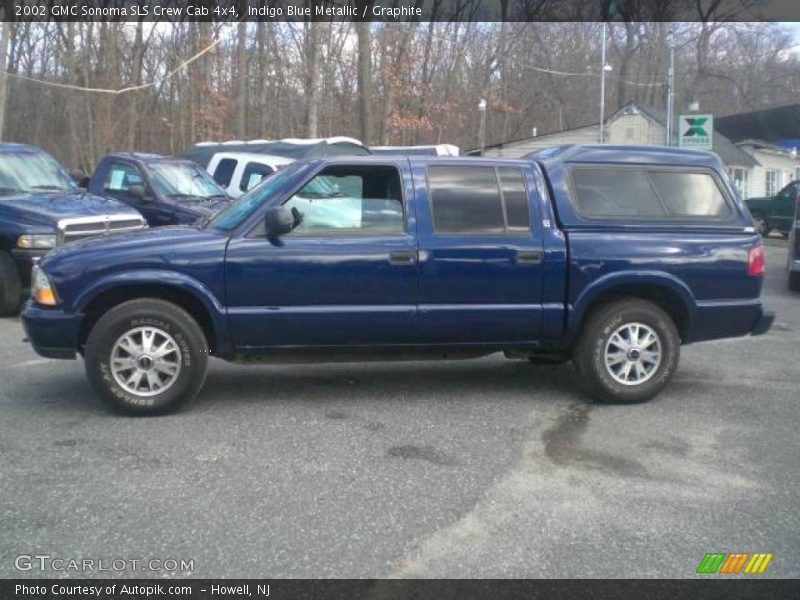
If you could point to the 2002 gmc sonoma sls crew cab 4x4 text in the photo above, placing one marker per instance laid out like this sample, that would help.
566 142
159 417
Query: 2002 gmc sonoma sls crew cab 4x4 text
611 257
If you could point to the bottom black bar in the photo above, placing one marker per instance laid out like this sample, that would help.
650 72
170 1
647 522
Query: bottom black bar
399 589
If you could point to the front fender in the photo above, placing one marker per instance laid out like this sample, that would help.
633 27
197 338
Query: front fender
171 279
640 279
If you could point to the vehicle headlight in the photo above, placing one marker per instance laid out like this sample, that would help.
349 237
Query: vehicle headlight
37 241
42 289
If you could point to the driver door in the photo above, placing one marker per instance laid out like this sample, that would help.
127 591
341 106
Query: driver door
345 277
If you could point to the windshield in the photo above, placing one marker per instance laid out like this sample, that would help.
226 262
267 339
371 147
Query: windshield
32 172
240 210
183 179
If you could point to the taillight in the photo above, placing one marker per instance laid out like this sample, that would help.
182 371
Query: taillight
756 261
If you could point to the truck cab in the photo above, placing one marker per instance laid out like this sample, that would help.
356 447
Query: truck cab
775 213
609 257
41 208
166 190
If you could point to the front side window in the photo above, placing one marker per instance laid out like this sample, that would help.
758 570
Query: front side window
365 200
121 177
641 193
238 212
478 199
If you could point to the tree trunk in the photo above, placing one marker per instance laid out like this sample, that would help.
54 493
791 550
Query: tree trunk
5 37
312 79
241 82
364 81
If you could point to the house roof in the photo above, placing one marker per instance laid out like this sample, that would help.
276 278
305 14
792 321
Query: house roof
774 125
729 152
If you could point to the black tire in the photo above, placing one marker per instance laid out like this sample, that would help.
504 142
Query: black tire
794 281
132 318
589 353
10 287
761 222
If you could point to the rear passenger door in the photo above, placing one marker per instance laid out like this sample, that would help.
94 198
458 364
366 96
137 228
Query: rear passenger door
480 255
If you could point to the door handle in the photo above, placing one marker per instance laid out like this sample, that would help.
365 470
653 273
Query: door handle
530 256
403 257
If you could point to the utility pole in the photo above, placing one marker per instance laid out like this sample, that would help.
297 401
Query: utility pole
670 88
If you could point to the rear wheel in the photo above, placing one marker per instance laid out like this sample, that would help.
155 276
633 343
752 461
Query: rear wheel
627 352
146 357
10 289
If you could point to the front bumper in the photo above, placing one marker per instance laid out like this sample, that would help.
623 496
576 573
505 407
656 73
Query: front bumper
52 332
25 258
764 323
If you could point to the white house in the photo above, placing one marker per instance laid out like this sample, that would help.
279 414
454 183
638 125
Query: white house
757 168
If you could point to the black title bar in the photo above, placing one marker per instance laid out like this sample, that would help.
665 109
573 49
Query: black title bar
400 10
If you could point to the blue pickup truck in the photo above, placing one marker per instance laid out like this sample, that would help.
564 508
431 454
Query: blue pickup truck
40 208
166 190
609 256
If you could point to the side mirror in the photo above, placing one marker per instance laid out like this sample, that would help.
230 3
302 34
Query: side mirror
279 221
80 178
138 191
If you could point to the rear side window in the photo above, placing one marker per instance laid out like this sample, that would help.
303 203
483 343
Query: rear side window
224 171
253 174
643 193
615 193
690 194
478 199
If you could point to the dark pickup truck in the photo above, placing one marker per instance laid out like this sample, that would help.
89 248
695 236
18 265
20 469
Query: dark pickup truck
166 190
775 212
41 208
609 256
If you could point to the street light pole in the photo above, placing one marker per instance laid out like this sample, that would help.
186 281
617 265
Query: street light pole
482 129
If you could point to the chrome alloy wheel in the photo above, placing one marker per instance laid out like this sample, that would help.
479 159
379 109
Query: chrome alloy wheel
633 354
145 361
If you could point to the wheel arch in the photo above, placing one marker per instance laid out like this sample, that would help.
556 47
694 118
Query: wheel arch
665 291
192 296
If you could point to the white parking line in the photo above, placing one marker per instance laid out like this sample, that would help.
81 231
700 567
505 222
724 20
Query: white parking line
27 363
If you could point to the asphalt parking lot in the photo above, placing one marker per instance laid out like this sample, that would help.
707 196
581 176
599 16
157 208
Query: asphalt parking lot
480 468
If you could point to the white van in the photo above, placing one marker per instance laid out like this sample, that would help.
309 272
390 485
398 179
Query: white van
240 172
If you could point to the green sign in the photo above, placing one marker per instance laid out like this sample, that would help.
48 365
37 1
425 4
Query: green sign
696 131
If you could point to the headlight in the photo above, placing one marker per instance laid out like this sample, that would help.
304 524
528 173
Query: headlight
42 290
37 241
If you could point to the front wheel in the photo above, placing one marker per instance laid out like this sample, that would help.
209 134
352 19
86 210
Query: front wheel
10 291
146 357
627 352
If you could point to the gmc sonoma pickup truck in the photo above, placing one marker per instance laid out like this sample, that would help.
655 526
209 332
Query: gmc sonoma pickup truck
40 208
609 256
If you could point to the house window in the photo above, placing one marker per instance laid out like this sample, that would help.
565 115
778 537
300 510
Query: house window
740 179
773 182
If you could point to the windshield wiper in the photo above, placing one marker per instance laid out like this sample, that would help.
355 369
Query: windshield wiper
9 190
56 188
